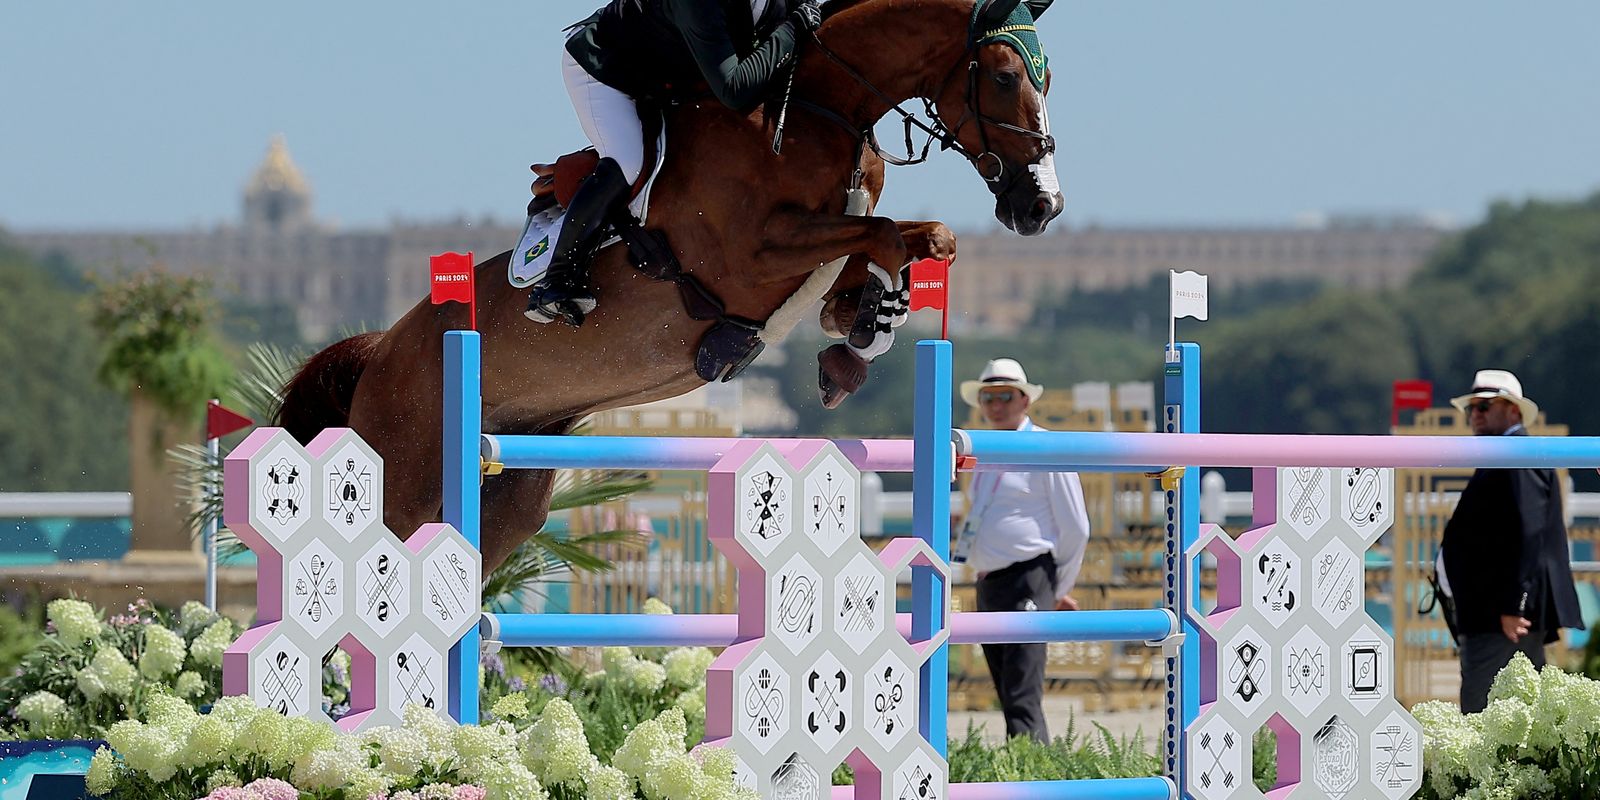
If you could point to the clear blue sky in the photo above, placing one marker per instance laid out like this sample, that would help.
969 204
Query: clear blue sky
140 114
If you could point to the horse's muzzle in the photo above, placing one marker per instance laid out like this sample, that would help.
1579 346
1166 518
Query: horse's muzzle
1028 213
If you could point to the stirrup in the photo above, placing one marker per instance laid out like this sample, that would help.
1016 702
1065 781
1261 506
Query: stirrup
571 308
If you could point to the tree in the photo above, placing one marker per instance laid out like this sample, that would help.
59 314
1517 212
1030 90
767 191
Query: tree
158 349
61 430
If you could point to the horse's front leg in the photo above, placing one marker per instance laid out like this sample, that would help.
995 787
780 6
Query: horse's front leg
923 239
798 243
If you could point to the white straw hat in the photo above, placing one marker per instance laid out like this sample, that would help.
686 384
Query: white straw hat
1000 372
1492 383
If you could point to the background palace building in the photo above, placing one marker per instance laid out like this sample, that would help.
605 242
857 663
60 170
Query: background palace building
334 279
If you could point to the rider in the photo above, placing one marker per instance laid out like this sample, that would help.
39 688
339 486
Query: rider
657 50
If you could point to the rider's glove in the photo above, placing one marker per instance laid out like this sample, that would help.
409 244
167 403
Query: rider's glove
807 15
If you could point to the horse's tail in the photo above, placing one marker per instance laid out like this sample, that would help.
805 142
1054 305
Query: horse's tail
319 395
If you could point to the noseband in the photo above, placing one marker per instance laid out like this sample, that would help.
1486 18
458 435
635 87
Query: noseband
935 127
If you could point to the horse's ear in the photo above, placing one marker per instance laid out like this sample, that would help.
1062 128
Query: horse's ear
992 14
1038 7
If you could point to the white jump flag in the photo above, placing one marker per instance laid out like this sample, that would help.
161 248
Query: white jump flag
1188 299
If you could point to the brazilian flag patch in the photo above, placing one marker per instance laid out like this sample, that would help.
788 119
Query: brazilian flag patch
536 250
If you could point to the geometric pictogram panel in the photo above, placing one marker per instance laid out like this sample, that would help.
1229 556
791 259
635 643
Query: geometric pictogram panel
1305 498
823 674
828 698
1338 578
1307 670
314 591
1322 679
764 691
832 493
414 674
1216 759
861 594
1275 585
794 603
1336 758
1395 753
1365 669
351 487
1366 501
1247 671
329 572
889 700
383 588
768 504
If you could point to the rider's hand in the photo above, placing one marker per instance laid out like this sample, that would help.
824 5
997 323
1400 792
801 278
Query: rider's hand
807 15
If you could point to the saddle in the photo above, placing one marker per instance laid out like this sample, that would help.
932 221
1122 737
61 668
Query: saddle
731 344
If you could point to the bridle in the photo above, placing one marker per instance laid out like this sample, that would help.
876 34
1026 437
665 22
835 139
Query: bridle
935 128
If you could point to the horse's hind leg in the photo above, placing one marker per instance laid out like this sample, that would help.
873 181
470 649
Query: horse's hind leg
516 504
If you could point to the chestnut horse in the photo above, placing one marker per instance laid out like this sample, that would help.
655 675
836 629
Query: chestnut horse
750 224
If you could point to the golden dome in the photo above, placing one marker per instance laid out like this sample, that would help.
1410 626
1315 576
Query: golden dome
277 172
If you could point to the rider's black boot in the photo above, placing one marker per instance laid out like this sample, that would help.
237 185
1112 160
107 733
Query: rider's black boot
563 291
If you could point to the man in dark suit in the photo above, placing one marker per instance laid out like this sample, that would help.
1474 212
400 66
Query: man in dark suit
1504 558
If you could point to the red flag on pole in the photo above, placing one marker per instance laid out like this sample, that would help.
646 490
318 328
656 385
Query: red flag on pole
1414 394
453 282
221 421
930 288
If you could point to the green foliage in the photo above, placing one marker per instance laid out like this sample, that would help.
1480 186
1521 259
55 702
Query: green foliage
18 637
156 330
61 430
110 674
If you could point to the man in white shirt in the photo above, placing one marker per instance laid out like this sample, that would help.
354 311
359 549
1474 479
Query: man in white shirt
1024 536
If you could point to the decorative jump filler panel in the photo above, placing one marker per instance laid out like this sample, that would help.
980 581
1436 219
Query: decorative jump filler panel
822 675
1289 646
330 574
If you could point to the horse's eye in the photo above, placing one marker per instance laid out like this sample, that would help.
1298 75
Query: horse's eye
1006 79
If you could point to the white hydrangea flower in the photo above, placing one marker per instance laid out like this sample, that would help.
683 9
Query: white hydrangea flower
189 684
555 749
40 709
212 642
104 772
1517 679
615 660
108 673
645 676
163 652
655 606
510 780
403 753
686 666
222 777
608 783
435 730
76 621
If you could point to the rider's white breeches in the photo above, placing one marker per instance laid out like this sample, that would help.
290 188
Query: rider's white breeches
609 117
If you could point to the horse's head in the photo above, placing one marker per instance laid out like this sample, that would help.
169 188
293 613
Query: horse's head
993 103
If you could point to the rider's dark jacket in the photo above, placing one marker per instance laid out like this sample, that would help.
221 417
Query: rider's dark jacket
661 49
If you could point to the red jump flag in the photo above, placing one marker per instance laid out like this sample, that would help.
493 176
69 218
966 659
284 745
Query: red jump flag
221 421
1415 394
930 288
453 282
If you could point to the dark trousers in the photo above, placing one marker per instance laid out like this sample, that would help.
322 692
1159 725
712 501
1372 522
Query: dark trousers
1483 655
1018 669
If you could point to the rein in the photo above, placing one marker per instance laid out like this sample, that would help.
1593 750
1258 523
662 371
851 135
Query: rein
936 129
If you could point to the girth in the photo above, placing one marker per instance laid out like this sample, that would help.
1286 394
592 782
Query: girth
733 342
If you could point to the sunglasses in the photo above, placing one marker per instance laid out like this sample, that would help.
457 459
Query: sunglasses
997 397
1481 406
